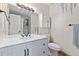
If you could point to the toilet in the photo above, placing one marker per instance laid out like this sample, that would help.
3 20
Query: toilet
53 49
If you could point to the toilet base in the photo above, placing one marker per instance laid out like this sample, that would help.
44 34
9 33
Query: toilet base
53 52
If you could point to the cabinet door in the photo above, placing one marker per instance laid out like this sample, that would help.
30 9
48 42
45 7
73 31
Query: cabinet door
17 50
4 51
38 48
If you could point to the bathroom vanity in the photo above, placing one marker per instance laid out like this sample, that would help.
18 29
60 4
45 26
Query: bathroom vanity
15 45
16 27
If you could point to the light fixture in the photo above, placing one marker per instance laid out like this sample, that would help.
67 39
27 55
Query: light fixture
25 7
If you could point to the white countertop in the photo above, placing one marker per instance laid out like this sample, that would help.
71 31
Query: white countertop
17 39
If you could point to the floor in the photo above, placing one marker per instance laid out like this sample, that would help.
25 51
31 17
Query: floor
61 53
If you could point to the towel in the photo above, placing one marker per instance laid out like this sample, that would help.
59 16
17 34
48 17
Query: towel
76 34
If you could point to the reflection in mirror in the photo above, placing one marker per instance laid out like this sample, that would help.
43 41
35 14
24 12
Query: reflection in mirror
19 25
26 26
15 24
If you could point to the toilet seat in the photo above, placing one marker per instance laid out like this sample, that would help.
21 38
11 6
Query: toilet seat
54 46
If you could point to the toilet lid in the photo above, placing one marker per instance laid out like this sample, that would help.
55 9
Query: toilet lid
54 46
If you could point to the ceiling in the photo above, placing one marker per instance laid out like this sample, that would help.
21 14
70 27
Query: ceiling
49 4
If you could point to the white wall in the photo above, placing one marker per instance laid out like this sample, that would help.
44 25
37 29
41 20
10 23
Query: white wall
61 32
3 26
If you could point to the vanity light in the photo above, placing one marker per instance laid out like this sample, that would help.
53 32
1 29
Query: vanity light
25 7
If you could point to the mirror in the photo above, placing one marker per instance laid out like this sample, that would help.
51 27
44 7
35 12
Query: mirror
19 20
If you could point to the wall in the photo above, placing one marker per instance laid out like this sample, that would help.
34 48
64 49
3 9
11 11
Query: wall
61 33
3 26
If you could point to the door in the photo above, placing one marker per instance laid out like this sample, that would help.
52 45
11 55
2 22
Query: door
16 50
37 48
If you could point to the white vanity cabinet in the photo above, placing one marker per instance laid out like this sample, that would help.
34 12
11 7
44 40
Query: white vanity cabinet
38 47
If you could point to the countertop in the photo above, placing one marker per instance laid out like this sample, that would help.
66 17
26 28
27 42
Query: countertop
17 39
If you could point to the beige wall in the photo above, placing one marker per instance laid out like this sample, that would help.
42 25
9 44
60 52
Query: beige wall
3 6
61 32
